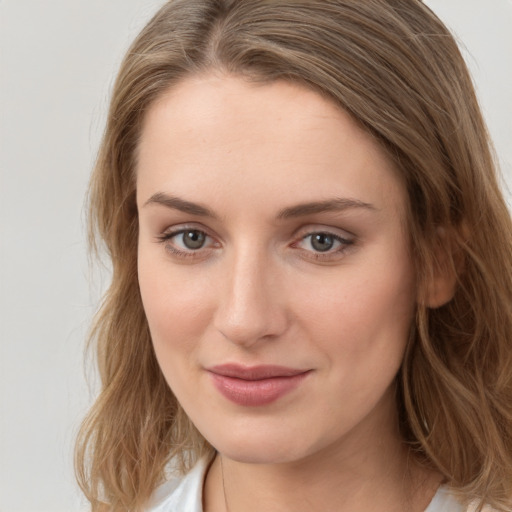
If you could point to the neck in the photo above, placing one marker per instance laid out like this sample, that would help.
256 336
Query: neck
258 490
365 470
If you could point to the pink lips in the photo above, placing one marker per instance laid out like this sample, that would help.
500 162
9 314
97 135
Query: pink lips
256 385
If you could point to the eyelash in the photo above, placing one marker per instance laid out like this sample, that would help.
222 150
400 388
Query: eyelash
329 255
167 237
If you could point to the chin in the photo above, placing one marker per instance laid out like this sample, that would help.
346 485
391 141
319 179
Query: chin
257 455
279 448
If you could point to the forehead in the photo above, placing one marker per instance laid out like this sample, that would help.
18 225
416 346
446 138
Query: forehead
211 134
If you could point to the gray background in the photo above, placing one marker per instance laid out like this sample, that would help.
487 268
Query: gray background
57 63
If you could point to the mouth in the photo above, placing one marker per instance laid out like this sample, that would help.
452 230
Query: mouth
257 385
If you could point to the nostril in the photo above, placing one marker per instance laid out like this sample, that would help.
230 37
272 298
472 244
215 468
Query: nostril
249 307
246 323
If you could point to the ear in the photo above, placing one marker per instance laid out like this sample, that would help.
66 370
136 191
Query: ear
443 280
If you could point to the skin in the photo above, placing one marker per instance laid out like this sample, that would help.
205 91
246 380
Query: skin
260 292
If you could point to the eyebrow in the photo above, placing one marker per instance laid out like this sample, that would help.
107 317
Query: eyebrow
330 205
180 204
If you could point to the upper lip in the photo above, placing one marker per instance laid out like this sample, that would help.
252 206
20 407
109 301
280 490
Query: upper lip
259 372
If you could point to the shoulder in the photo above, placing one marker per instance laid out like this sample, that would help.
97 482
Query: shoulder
474 508
445 501
181 494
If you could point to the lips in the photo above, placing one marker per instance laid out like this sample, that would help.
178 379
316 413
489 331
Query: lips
257 385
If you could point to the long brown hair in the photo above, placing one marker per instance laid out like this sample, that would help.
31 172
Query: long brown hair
396 69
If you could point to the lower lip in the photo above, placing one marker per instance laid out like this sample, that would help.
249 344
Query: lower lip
254 393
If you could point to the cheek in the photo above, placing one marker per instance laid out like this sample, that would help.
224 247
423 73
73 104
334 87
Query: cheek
361 332
362 315
177 312
177 306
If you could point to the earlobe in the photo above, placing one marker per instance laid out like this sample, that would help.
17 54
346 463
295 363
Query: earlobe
446 265
441 290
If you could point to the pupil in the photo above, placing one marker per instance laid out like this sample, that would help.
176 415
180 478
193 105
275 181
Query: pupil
322 242
193 239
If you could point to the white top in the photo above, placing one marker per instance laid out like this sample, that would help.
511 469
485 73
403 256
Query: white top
185 495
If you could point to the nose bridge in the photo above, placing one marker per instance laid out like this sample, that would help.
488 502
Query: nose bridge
249 307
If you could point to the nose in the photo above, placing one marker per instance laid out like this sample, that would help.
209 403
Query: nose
251 303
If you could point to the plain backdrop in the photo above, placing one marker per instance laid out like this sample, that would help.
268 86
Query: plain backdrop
58 59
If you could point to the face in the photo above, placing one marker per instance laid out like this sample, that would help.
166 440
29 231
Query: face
274 267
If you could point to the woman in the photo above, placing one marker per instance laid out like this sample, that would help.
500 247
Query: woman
311 298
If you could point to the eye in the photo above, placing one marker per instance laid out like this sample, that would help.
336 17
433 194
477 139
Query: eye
191 239
186 242
324 244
